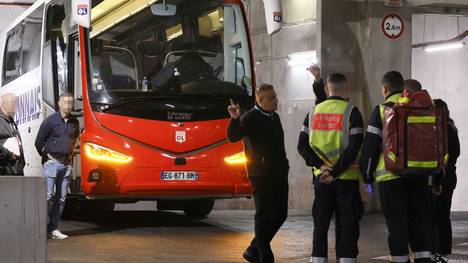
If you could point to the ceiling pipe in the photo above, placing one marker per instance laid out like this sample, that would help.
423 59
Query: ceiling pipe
15 4
441 42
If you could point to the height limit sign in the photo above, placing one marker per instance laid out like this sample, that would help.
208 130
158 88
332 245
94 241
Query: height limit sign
392 26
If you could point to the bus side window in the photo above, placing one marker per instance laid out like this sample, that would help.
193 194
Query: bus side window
31 47
12 55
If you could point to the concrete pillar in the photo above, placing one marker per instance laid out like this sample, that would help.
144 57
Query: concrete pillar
350 41
23 219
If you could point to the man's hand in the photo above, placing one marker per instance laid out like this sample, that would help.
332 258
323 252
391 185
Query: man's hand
325 169
315 71
437 189
327 179
234 110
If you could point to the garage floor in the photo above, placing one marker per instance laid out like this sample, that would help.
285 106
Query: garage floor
151 236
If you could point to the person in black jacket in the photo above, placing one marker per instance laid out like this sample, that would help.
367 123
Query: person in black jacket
54 142
303 145
442 245
342 196
11 158
267 167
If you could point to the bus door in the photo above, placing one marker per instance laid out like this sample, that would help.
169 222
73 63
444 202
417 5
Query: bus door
61 73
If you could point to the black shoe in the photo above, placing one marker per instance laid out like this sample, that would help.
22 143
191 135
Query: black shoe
250 256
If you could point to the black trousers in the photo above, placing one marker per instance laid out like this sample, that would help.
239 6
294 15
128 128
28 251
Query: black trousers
343 198
442 225
406 204
271 210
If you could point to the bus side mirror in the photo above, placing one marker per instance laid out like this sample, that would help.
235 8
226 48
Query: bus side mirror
163 9
81 12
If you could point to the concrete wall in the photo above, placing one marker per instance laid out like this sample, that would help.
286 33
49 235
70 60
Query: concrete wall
445 75
23 219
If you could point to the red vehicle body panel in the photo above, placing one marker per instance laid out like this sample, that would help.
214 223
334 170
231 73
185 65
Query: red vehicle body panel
153 147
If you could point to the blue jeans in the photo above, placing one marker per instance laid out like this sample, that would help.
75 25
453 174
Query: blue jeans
58 176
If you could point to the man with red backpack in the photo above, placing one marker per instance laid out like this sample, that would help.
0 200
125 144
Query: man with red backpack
405 198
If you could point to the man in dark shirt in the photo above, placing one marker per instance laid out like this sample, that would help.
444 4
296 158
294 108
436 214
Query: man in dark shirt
267 167
54 142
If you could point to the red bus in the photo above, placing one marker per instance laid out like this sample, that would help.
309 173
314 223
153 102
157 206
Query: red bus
156 82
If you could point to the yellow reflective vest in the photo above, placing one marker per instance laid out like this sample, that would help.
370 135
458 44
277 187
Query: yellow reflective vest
329 134
381 173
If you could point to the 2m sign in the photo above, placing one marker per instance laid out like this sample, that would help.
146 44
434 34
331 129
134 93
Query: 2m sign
392 26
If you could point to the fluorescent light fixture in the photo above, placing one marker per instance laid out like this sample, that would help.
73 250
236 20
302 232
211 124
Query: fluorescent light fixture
444 47
302 58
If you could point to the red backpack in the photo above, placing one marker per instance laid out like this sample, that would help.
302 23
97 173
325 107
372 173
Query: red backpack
414 135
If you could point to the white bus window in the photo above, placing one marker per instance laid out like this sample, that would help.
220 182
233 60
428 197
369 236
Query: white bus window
31 46
12 55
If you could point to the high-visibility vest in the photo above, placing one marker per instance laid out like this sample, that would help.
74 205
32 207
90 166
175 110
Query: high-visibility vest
330 133
381 173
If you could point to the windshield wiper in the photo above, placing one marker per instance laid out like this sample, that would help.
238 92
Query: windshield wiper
111 106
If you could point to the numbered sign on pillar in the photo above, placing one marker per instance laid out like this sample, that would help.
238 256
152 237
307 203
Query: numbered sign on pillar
273 15
392 26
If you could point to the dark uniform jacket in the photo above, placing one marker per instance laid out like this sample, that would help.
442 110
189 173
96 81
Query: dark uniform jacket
263 141
56 137
8 129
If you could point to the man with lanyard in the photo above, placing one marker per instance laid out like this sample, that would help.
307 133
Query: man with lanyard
336 133
54 142
267 167
405 200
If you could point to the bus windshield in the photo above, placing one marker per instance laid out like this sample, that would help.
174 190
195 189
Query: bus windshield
201 50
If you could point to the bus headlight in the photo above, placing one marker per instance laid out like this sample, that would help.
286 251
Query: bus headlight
238 158
101 153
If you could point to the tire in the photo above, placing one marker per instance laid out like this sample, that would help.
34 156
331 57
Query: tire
198 208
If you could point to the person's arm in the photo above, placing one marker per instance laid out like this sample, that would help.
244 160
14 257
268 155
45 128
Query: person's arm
453 146
41 137
304 149
5 154
319 91
371 147
239 126
356 134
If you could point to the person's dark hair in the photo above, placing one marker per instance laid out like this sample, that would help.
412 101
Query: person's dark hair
336 78
394 80
442 105
65 94
264 87
413 85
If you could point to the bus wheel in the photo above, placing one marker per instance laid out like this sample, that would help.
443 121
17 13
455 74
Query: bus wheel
198 208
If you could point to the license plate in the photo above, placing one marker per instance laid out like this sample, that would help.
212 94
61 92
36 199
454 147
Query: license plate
179 176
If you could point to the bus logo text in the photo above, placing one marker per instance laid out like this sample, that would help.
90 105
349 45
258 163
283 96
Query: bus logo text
29 106
179 116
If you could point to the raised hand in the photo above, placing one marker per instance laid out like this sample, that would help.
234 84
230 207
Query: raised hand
315 71
234 110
